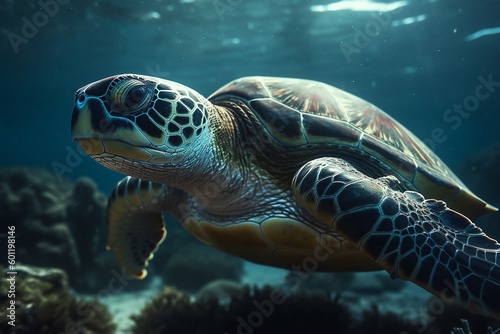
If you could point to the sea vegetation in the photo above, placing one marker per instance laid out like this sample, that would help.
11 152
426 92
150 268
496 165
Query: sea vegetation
44 305
466 329
174 312
269 310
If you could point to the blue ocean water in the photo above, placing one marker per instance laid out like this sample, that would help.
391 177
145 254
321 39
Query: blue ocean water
414 59
433 64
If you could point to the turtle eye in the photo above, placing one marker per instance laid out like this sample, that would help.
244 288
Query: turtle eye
130 96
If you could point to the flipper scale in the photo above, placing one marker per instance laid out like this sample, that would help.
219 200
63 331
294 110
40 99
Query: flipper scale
435 247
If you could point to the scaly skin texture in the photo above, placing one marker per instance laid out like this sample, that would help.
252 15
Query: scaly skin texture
411 238
285 172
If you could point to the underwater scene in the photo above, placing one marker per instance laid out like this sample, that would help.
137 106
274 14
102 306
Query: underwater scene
292 166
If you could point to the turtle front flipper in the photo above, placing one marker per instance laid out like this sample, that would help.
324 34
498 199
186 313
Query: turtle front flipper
135 222
411 238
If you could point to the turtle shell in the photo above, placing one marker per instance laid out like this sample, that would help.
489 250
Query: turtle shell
299 112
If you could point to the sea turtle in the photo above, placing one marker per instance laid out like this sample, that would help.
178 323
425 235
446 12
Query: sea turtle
285 172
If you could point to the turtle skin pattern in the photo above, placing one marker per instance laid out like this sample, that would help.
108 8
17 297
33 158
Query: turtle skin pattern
411 238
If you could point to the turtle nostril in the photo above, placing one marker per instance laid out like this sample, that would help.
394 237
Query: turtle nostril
80 99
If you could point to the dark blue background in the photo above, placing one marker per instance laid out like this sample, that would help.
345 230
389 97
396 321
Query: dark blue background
414 71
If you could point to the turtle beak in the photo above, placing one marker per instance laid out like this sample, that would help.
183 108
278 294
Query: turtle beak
83 124
88 118
91 119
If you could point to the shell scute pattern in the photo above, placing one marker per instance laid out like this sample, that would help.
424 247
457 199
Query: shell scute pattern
306 96
245 88
305 113
322 129
283 122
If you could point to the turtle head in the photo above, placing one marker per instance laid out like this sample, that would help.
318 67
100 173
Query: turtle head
128 121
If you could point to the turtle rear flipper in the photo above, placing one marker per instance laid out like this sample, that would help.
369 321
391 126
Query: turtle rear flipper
135 222
411 238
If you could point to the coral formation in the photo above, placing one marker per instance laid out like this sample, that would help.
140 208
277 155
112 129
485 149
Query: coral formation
34 203
451 314
58 224
85 212
62 224
466 329
269 310
55 221
44 305
195 264
221 289
172 312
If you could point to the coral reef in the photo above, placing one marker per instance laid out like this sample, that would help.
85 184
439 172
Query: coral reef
221 289
34 203
44 305
195 264
172 312
449 317
58 224
62 224
56 221
269 310
466 329
85 212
